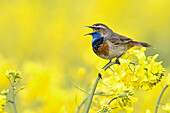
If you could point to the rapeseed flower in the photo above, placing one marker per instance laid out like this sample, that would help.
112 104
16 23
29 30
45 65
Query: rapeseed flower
2 103
136 71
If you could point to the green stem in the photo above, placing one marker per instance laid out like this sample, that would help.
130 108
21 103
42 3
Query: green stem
159 98
120 96
13 95
81 104
80 89
107 66
85 99
92 94
17 92
13 99
94 87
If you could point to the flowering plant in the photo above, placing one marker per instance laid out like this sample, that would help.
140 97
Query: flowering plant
121 81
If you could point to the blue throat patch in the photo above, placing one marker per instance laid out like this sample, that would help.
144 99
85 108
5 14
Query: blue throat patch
97 40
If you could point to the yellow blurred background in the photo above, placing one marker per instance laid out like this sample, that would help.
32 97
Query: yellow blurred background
44 40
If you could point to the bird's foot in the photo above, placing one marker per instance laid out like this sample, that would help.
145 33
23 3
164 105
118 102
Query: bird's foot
117 61
100 76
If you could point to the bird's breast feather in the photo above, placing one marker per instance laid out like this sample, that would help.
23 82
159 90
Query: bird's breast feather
103 49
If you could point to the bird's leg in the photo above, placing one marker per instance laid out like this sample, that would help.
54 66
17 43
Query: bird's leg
100 76
117 60
107 64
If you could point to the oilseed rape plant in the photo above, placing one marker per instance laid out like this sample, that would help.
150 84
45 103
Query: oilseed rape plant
115 92
14 78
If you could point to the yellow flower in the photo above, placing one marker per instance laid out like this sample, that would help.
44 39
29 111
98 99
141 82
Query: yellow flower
145 85
126 55
104 109
2 103
153 79
149 59
152 58
2 100
133 99
129 109
166 107
133 51
124 63
4 92
155 56
155 67
139 71
148 111
132 74
141 55
119 72
143 49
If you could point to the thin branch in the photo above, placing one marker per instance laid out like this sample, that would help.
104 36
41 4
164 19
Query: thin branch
111 69
80 89
97 93
92 93
13 99
107 66
85 99
10 101
104 84
10 81
18 91
120 96
81 104
94 87
159 98
112 100
103 94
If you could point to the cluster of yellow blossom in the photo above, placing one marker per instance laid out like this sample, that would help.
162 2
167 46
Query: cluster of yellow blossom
121 99
104 109
13 74
135 71
14 77
143 73
2 103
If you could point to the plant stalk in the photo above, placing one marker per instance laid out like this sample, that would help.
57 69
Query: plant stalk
13 98
159 98
92 94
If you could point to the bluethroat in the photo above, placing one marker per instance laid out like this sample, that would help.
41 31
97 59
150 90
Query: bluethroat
108 44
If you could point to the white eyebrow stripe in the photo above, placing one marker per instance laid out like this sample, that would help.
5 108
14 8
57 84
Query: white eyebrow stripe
101 27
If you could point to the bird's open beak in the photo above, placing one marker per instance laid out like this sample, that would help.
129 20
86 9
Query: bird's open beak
88 34
90 27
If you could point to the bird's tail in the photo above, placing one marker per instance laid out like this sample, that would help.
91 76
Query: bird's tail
139 44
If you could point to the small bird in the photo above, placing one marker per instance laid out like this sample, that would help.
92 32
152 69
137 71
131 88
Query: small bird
108 45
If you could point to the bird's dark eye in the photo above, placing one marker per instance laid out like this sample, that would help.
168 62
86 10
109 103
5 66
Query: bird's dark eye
97 28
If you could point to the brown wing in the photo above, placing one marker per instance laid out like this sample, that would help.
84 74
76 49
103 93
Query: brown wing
117 39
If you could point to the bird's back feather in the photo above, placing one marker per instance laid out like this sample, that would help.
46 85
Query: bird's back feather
117 39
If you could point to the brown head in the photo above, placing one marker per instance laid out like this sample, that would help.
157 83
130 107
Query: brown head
101 28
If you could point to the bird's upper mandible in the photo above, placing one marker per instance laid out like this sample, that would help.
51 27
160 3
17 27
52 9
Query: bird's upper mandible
102 29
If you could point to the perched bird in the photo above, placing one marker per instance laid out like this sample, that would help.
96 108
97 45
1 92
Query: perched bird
108 45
